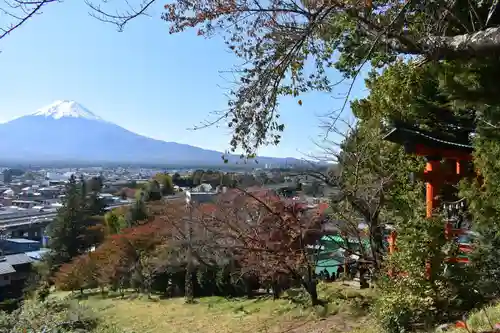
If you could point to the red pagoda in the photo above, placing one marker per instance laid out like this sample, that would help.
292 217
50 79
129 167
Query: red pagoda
447 163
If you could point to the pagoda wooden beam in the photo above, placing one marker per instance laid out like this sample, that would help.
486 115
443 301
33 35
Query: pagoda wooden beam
455 232
456 154
439 177
458 260
466 248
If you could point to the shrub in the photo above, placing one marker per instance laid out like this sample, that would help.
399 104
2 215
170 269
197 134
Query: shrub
9 305
397 312
43 292
65 316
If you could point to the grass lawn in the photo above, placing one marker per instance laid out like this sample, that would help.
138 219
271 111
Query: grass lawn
136 314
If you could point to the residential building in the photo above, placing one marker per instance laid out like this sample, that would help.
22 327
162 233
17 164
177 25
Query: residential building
14 271
16 260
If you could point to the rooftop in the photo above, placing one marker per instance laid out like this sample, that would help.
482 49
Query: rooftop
6 268
37 255
9 213
21 241
18 259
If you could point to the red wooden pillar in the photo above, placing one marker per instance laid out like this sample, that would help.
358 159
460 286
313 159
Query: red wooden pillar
432 186
432 170
391 239
392 242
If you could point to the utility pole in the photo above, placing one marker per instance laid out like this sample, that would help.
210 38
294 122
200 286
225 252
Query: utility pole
188 290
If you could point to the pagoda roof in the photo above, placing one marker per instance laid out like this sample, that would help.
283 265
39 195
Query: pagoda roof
412 137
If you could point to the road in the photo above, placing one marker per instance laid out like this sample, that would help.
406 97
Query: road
41 217
14 220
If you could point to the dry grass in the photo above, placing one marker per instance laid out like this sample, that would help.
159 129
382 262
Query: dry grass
137 314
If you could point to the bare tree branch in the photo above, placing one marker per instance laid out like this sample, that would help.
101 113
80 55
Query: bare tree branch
119 18
20 12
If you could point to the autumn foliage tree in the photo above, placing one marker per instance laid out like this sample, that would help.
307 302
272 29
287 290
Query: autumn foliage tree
114 262
78 274
288 47
268 237
233 247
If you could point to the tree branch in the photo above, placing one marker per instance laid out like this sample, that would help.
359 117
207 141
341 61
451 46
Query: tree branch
27 10
120 19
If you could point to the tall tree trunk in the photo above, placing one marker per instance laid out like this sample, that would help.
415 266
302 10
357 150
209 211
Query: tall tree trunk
276 289
363 284
248 289
188 287
310 287
376 242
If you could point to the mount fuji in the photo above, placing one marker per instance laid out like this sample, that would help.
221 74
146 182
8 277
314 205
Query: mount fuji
67 131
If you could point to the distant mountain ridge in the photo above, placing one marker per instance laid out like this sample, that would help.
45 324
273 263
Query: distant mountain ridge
67 131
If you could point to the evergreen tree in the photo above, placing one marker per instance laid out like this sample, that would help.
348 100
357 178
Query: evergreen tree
95 204
83 189
152 191
197 177
177 179
68 231
298 185
123 194
114 223
167 185
429 101
137 212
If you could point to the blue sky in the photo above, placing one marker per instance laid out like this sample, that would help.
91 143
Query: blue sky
143 79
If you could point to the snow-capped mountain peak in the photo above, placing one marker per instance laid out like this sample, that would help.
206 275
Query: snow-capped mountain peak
53 133
65 108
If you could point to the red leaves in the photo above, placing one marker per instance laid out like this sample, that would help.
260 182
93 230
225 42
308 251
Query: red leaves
143 237
460 324
267 235
75 275
128 192
190 14
113 259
